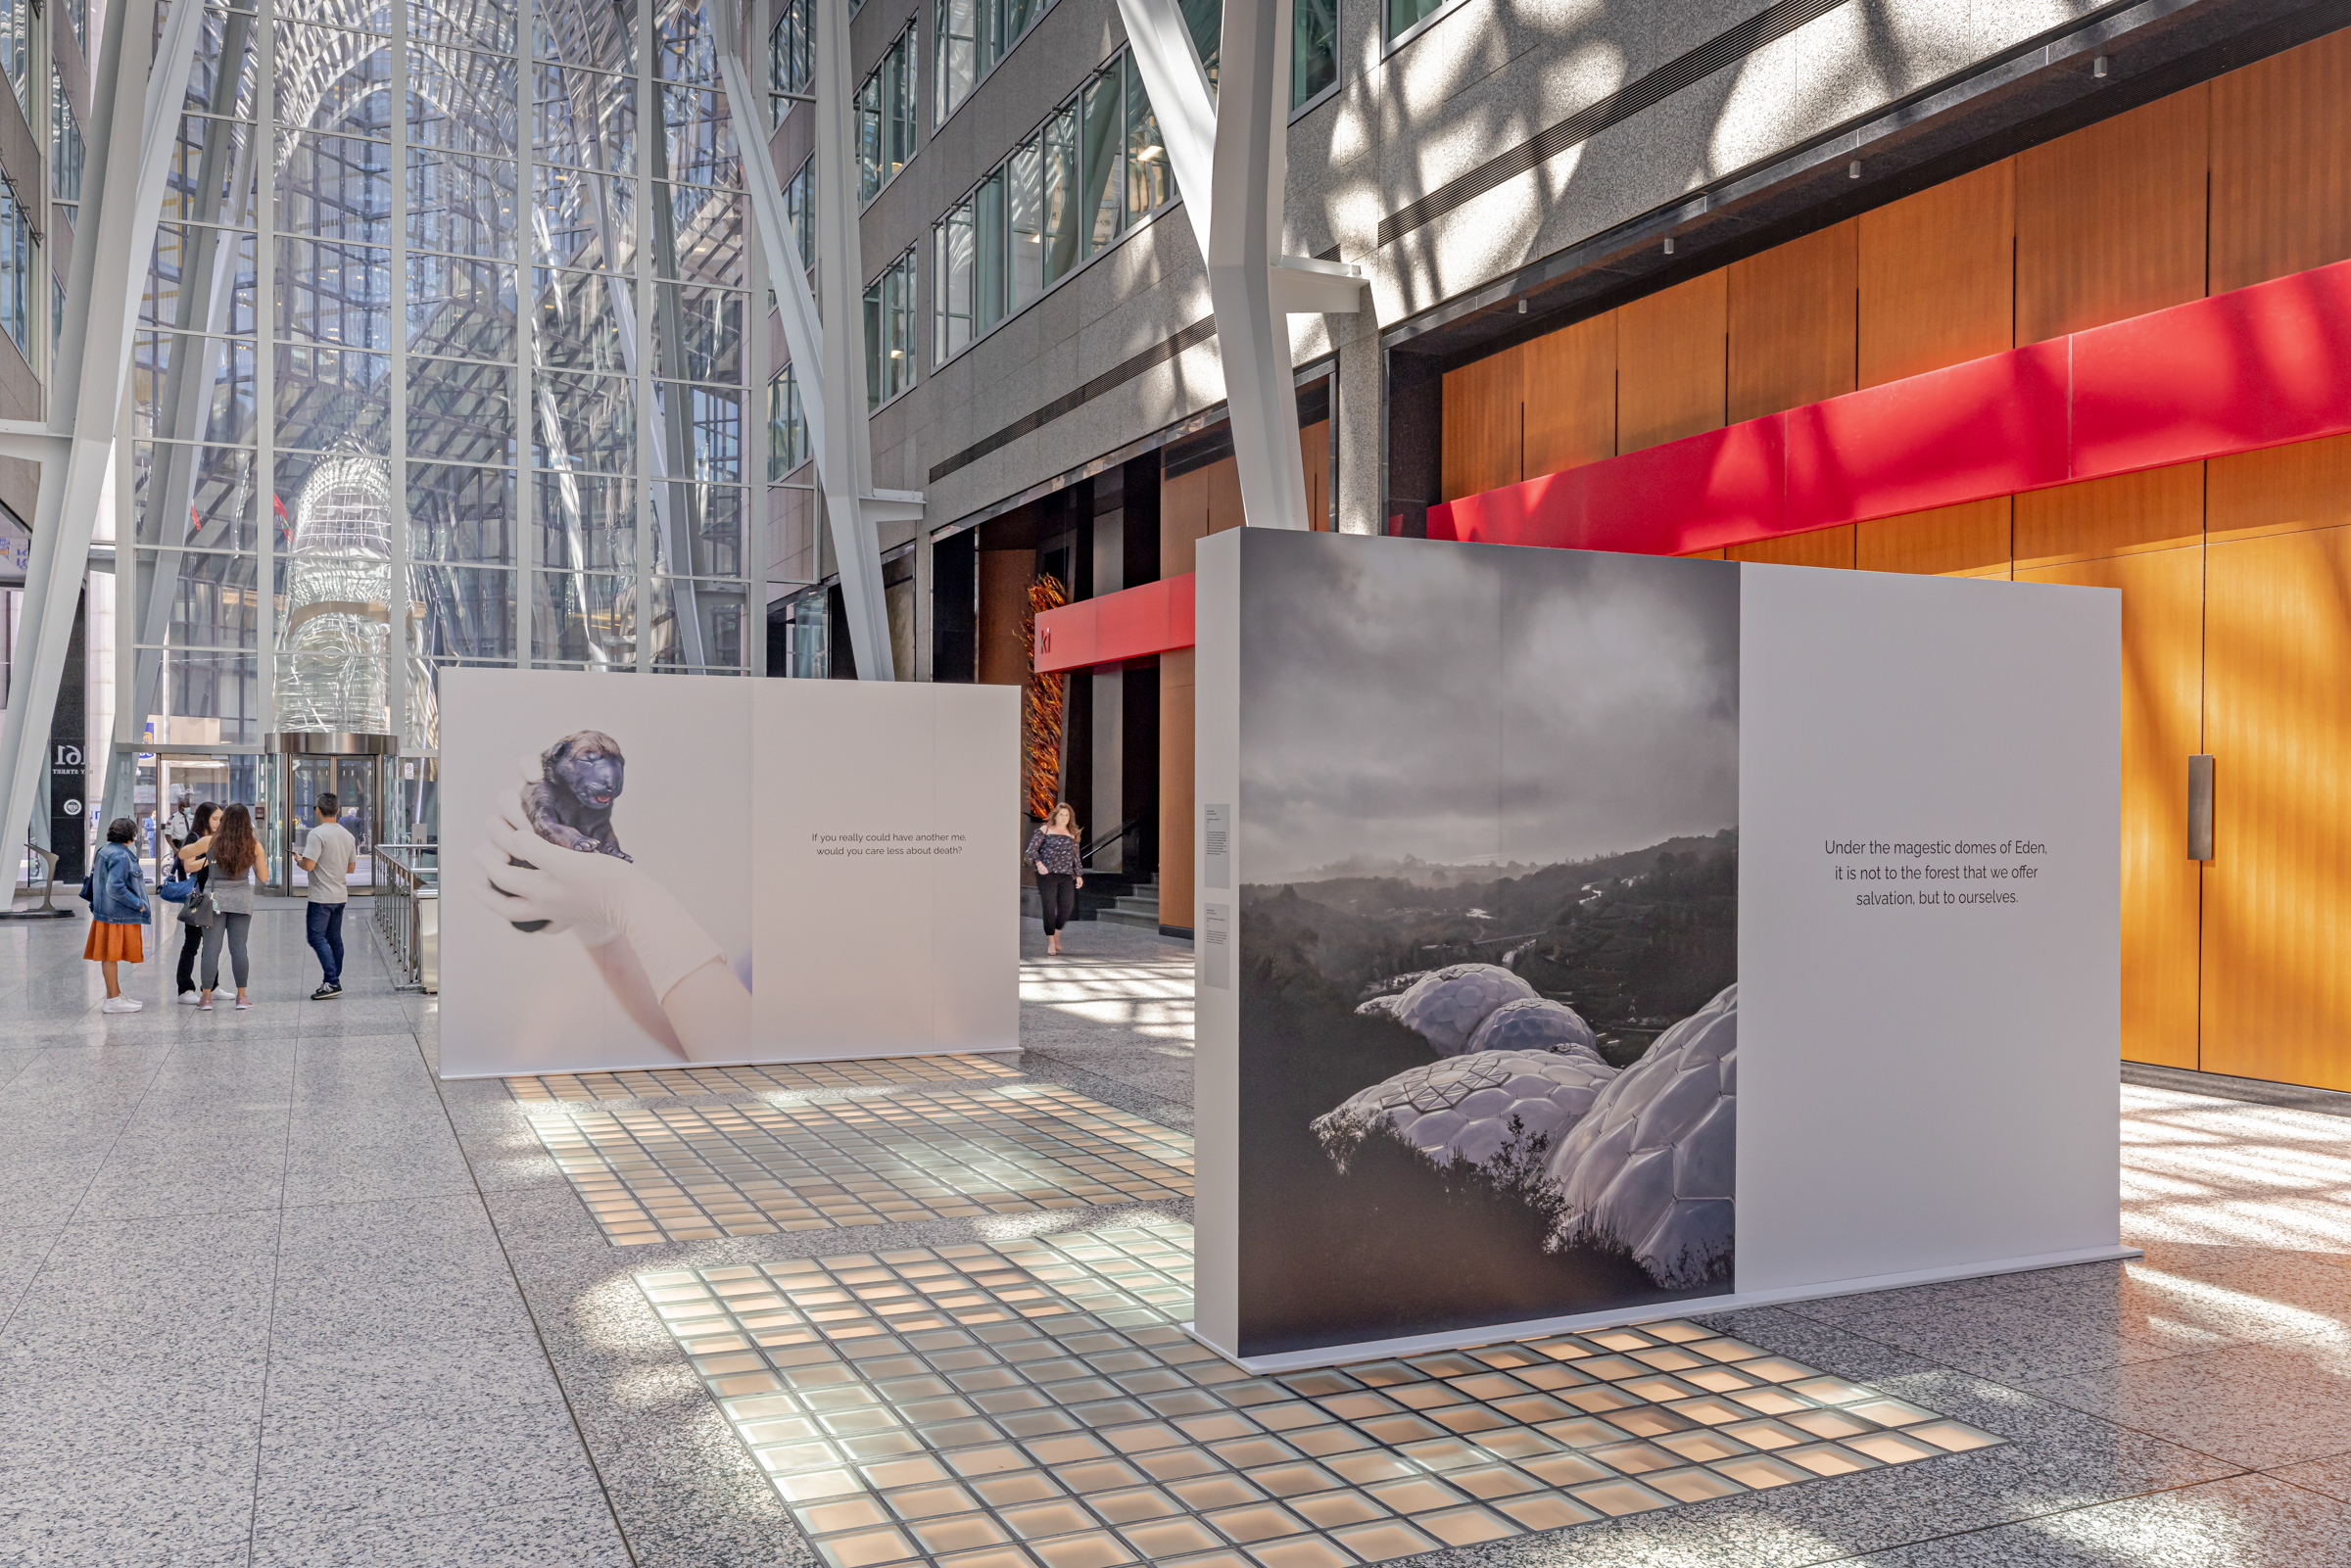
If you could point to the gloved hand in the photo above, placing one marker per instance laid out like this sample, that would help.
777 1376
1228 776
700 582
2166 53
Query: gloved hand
598 896
510 813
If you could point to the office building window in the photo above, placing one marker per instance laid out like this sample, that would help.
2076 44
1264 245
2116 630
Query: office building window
66 148
77 16
1314 49
1313 39
967 38
19 272
890 332
16 50
1091 172
791 55
1205 20
799 210
787 428
1405 15
885 117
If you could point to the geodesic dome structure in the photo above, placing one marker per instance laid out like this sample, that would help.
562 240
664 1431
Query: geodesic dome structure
1536 1024
1481 1107
1650 1169
1446 1006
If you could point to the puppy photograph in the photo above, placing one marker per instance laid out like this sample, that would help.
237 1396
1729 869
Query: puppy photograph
609 800
580 777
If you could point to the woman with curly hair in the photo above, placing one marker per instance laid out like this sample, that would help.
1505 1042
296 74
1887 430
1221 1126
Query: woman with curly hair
236 859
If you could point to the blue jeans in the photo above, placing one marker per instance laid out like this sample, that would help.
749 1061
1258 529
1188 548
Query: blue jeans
327 939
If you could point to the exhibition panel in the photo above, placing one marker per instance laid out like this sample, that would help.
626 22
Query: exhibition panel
644 874
1496 847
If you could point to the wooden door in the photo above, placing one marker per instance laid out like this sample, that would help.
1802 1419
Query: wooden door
2163 593
2276 959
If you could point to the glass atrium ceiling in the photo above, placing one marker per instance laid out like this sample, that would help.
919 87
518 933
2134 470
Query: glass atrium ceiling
499 359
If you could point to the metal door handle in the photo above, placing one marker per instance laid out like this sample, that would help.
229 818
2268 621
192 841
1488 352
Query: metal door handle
2199 808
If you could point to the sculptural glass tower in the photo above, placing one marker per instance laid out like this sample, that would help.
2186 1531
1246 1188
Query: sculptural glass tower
441 361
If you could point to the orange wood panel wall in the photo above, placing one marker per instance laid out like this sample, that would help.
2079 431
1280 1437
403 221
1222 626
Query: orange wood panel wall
2286 489
1570 396
1970 540
2277 948
2282 165
1314 442
1483 423
1936 276
1005 576
2110 220
1670 363
2161 508
1792 318
1175 708
1823 547
2162 700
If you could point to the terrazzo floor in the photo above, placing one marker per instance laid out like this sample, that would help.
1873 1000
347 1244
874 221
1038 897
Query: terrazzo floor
271 1294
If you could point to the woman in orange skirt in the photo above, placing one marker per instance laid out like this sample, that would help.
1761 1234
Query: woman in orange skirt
119 913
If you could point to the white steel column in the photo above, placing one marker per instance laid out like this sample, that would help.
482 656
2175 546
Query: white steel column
124 186
1251 171
832 389
844 466
1230 155
637 328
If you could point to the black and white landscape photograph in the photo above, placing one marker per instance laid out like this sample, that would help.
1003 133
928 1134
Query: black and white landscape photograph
1488 936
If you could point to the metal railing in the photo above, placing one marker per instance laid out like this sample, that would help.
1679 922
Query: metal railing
407 911
1135 828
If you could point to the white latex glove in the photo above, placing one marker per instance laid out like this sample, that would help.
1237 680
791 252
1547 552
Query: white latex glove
594 893
510 814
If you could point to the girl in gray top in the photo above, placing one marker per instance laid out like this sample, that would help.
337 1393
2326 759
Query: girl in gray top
236 859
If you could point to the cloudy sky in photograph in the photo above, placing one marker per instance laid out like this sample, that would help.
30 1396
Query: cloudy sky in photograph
1467 703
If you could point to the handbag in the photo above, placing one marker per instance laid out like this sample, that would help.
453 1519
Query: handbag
200 910
175 892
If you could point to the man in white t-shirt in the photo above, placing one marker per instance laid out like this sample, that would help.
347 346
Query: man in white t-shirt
178 829
326 855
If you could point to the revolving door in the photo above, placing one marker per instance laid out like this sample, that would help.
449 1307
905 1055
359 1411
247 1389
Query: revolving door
358 771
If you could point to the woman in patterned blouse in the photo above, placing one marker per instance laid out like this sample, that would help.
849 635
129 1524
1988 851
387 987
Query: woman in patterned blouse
1053 851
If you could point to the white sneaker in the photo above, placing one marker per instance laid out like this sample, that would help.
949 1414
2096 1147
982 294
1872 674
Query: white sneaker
190 998
118 1004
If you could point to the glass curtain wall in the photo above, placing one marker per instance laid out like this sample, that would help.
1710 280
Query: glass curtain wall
487 407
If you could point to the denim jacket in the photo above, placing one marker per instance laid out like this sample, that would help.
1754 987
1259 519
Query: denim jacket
117 894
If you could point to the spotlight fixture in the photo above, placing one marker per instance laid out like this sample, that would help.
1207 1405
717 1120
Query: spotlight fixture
2098 67
1523 307
1852 170
1668 245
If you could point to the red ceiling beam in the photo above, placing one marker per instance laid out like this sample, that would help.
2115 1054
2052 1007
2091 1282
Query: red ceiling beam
2260 366
2256 367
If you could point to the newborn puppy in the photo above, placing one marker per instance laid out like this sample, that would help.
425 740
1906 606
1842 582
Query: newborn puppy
571 804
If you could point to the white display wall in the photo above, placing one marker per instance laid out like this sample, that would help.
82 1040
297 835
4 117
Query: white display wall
1591 938
816 870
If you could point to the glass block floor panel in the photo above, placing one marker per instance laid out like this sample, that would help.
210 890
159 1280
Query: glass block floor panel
693 1173
1033 1403
795 1077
